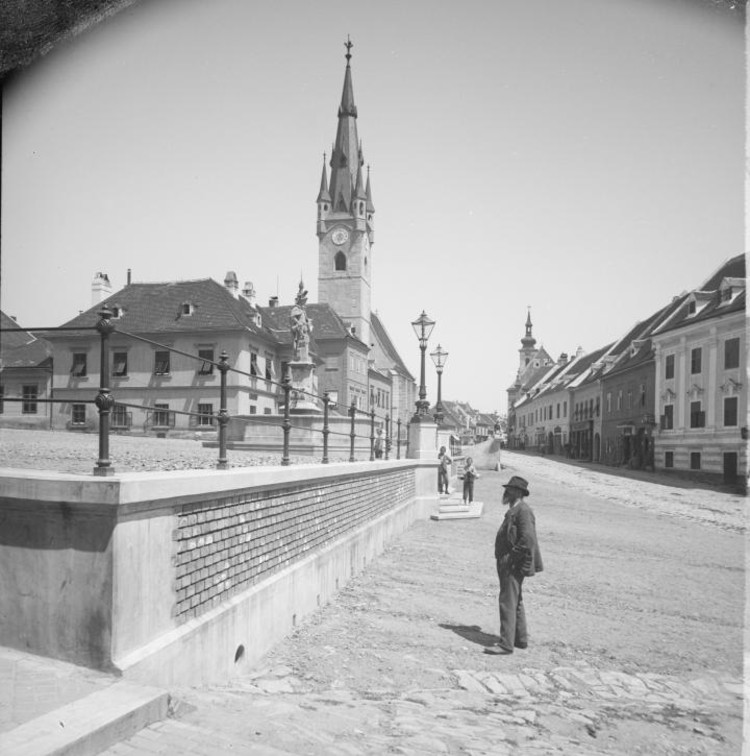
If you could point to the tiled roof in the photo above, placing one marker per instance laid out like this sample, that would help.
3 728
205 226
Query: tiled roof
157 308
732 268
21 349
325 321
709 296
387 345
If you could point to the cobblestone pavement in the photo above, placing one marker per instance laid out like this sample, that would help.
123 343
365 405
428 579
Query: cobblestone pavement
627 653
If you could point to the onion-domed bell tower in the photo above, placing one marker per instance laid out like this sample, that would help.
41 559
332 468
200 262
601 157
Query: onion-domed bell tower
345 221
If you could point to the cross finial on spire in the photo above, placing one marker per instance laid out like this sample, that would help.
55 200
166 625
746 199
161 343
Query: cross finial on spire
348 45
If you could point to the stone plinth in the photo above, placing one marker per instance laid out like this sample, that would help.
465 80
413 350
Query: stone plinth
423 438
304 389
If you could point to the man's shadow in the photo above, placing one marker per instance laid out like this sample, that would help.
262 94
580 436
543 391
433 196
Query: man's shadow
472 633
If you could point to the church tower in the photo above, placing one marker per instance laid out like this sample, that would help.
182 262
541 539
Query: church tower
345 221
528 346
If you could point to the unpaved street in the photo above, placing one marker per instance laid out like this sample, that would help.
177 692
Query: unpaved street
635 648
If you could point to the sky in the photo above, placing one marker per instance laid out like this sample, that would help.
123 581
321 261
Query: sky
581 158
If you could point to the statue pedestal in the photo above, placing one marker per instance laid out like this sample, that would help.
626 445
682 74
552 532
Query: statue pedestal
303 380
423 438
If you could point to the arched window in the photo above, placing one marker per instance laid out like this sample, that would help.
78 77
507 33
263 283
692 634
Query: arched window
340 261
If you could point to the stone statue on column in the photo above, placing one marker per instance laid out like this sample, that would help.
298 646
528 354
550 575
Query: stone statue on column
301 326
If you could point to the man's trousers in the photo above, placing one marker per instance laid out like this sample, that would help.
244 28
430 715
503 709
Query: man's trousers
512 615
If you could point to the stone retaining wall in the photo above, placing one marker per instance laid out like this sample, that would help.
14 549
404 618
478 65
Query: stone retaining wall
182 577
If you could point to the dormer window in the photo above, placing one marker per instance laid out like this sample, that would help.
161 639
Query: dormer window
116 312
697 302
187 308
729 289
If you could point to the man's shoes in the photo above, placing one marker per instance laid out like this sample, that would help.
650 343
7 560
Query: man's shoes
498 650
521 645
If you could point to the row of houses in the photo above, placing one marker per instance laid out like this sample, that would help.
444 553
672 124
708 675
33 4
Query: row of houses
670 394
167 338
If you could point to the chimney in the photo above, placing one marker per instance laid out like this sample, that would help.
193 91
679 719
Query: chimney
231 282
273 302
579 352
248 292
129 277
563 359
101 288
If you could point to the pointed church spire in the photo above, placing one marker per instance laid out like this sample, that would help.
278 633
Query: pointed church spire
323 195
359 188
345 157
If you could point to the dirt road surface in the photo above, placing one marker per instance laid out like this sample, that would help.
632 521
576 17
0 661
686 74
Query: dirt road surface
636 631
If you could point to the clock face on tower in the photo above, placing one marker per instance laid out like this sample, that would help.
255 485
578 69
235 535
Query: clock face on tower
339 235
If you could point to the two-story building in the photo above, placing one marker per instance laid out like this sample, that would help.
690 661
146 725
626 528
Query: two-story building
701 379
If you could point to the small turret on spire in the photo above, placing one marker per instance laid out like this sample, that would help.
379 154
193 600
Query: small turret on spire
368 192
323 194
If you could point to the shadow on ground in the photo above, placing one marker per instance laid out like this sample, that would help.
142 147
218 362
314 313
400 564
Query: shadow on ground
472 633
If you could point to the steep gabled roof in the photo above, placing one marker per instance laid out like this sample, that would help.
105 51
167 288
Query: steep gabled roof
380 333
157 308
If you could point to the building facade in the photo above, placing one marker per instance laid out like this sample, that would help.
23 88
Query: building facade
701 380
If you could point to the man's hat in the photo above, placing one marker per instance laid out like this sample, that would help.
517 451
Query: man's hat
519 483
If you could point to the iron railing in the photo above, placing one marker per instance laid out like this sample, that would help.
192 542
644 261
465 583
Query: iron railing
116 415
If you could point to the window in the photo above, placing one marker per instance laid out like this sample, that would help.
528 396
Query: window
695 360
558 409
598 406
207 366
267 411
691 308
78 414
161 363
669 459
205 414
162 415
254 370
695 460
609 402
731 353
120 364
667 419
643 394
253 409
697 418
619 400
630 400
120 417
565 409
2 396
730 411
187 308
669 367
270 372
78 368
340 261
29 394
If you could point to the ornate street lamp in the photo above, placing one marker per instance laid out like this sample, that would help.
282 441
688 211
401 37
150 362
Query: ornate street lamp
422 326
439 357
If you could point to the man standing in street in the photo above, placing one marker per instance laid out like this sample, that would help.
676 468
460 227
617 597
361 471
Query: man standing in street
518 556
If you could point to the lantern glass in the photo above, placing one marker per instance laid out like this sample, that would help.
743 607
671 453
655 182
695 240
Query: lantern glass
439 357
423 326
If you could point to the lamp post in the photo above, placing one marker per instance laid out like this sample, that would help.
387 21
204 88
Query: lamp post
422 326
439 357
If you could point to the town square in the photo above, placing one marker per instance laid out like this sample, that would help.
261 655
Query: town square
373 380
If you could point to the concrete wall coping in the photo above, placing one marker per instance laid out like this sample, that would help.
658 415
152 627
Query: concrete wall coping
160 486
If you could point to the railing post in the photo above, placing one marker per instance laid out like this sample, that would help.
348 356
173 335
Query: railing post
398 439
326 431
387 436
104 400
286 423
223 417
372 434
352 412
